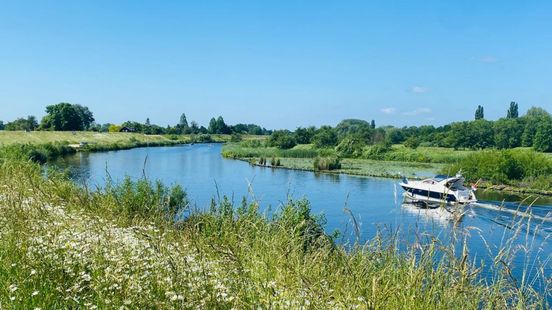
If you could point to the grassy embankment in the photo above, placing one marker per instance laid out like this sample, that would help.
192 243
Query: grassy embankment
398 162
62 246
46 145
519 170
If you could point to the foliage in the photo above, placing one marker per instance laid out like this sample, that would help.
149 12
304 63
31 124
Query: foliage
350 147
2 125
412 142
67 117
26 124
503 166
479 113
543 137
326 163
282 139
304 135
325 137
513 110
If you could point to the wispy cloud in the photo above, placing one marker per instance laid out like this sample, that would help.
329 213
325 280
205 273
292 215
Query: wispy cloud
419 89
418 111
486 59
388 110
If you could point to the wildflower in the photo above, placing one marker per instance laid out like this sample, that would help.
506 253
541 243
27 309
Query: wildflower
34 293
33 272
13 288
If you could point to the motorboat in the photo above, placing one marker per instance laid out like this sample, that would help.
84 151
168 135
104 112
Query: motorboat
441 189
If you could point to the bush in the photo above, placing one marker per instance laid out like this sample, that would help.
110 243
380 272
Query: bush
350 147
282 139
412 142
326 163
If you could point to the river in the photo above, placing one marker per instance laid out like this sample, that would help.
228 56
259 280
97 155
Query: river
375 203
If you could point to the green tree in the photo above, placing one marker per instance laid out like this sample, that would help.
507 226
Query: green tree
27 124
508 133
326 136
282 139
304 135
65 116
148 122
412 142
213 126
513 110
479 113
373 124
1 125
183 121
222 127
543 137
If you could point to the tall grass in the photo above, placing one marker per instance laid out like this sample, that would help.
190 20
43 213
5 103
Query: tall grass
62 246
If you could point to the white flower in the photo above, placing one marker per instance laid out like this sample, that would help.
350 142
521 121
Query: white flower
33 272
34 293
13 288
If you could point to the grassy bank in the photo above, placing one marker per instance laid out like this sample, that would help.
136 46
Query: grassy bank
42 146
62 246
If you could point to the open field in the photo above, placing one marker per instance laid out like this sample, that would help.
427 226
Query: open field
62 246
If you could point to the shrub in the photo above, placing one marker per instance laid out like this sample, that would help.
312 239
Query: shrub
350 147
326 163
412 142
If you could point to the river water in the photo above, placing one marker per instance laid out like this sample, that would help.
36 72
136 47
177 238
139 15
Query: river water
375 203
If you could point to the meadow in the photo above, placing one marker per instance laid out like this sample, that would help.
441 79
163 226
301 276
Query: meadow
140 244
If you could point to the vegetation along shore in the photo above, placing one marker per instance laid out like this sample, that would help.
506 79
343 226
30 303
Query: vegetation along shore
140 244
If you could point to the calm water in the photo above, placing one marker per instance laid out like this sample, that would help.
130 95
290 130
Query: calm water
375 202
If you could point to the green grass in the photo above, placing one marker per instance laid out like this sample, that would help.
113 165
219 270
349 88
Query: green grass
62 246
41 137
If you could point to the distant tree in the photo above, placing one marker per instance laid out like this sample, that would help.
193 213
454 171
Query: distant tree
394 136
183 121
194 127
326 136
304 135
282 139
412 142
543 137
508 133
373 124
65 116
513 110
479 113
222 127
479 134
27 124
213 126
148 121
114 128
1 125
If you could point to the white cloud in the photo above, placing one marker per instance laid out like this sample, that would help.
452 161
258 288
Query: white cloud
419 89
418 111
388 110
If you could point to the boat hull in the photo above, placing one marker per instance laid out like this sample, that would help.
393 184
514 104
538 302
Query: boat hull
419 194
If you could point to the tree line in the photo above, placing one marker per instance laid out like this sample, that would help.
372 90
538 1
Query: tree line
74 117
349 137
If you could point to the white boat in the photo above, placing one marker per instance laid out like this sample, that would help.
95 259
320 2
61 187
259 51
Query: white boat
439 189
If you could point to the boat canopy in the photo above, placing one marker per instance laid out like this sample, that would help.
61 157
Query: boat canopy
441 177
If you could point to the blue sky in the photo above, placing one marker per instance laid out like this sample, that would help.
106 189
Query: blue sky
281 64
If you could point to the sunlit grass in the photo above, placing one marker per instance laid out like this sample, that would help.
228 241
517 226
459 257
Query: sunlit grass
62 246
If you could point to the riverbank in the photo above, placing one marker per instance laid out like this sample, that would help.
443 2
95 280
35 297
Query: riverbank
42 146
419 163
63 246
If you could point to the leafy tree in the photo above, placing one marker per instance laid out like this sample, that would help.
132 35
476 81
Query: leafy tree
1 125
513 110
213 126
373 124
394 136
222 127
114 128
354 126
283 139
304 135
183 121
326 136
479 113
480 134
350 147
148 121
412 142
507 133
194 127
27 124
65 116
543 137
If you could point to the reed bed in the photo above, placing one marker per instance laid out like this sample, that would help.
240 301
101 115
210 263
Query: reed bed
140 244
